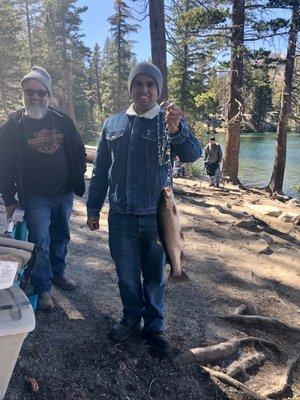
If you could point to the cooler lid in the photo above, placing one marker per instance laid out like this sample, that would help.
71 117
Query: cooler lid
16 313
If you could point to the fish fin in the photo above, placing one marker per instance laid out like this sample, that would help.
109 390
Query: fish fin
181 235
179 279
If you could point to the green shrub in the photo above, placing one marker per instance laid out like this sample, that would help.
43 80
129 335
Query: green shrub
297 188
195 169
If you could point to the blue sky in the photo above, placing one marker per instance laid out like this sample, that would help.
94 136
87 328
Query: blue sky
96 28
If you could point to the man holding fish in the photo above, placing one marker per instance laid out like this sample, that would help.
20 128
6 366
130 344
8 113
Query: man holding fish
133 163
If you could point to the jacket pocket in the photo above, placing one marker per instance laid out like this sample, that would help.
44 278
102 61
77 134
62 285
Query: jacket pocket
114 134
150 135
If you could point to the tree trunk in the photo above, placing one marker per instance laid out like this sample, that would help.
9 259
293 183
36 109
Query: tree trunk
119 38
98 85
158 40
276 181
29 33
66 75
235 107
91 99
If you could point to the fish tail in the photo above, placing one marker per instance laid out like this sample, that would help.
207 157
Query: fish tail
178 279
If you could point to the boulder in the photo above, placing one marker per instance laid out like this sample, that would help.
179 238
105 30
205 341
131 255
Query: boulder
269 211
247 223
296 220
293 203
289 217
285 217
266 250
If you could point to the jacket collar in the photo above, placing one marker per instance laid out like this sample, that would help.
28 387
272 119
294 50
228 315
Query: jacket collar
150 114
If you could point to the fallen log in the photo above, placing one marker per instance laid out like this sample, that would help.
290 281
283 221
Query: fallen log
284 384
217 352
268 322
241 366
234 383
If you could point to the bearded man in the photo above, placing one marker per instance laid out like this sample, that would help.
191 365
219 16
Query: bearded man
42 165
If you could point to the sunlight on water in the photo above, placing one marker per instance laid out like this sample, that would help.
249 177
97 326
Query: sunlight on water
257 154
257 158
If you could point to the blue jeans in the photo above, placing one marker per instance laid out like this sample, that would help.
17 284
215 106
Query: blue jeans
135 251
48 228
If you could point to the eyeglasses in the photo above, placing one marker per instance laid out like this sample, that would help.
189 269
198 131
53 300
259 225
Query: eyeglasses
32 92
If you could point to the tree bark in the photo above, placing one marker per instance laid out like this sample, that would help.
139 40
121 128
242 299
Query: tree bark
28 23
98 85
276 181
235 106
66 75
158 40
119 38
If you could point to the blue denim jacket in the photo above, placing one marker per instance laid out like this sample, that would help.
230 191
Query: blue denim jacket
127 164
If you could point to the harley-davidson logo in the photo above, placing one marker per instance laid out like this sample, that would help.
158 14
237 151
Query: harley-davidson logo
46 141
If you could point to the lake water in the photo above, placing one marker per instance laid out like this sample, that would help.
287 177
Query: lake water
257 154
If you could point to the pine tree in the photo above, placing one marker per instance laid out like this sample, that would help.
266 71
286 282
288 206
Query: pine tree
158 40
121 57
261 90
31 10
236 99
63 51
276 181
97 67
11 57
192 53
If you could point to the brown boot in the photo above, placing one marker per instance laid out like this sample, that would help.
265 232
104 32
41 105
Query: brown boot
64 283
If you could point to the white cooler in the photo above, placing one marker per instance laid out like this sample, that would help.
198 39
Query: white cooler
16 320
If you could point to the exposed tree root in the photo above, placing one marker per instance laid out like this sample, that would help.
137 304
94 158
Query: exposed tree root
234 383
244 364
217 352
280 196
259 320
284 385
209 354
267 343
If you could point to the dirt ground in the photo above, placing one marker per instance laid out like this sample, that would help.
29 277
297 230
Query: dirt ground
255 263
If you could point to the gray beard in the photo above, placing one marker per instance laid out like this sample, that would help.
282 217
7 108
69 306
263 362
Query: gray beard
36 111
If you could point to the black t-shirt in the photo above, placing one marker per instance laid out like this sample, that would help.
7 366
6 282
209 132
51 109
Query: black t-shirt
46 169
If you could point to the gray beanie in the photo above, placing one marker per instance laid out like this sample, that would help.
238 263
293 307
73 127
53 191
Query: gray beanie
150 69
41 75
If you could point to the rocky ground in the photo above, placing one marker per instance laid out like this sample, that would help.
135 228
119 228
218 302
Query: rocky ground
241 247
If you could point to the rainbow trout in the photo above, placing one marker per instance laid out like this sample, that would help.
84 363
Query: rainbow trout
170 234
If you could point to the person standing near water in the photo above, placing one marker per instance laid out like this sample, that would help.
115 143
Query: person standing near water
127 163
212 160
